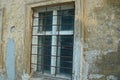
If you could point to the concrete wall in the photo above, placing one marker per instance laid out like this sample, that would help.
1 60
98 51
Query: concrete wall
101 35
102 40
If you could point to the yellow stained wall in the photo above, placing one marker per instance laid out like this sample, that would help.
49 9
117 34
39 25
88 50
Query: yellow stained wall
100 35
102 40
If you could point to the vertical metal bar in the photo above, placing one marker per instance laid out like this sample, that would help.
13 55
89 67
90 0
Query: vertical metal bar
40 24
31 42
54 42
58 41
36 39
44 29
73 42
43 39
42 52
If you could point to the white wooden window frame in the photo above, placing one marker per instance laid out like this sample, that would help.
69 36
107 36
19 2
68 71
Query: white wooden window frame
54 32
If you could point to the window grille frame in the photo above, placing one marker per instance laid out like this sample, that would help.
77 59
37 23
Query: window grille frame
54 33
78 35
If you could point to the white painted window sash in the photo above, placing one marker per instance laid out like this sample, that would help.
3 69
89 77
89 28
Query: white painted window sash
54 42
55 33
35 41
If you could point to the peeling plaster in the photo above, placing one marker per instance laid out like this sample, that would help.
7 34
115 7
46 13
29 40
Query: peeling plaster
90 56
86 71
95 76
102 33
112 77
25 77
10 59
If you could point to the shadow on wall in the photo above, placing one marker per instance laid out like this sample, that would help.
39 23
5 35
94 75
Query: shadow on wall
109 64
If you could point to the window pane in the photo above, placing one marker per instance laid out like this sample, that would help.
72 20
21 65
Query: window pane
66 54
45 21
44 53
66 19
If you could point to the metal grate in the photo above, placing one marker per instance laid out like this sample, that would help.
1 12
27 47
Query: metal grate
52 40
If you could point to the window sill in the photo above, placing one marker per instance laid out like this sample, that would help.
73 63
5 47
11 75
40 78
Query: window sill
40 76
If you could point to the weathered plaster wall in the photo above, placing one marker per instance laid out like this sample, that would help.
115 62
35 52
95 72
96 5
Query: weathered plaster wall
101 37
14 26
102 40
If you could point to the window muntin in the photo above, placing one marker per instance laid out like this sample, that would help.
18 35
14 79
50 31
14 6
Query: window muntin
53 36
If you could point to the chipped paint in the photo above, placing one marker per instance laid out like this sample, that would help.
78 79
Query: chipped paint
95 76
112 77
10 59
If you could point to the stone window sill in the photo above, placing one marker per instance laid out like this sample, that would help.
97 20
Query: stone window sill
40 76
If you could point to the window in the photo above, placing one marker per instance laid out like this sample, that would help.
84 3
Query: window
52 40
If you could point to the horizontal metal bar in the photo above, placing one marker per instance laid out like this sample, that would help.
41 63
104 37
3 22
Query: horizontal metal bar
51 66
68 47
51 16
53 55
53 25
52 35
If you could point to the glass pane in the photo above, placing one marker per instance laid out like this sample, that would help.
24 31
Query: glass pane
45 21
66 19
66 54
44 53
